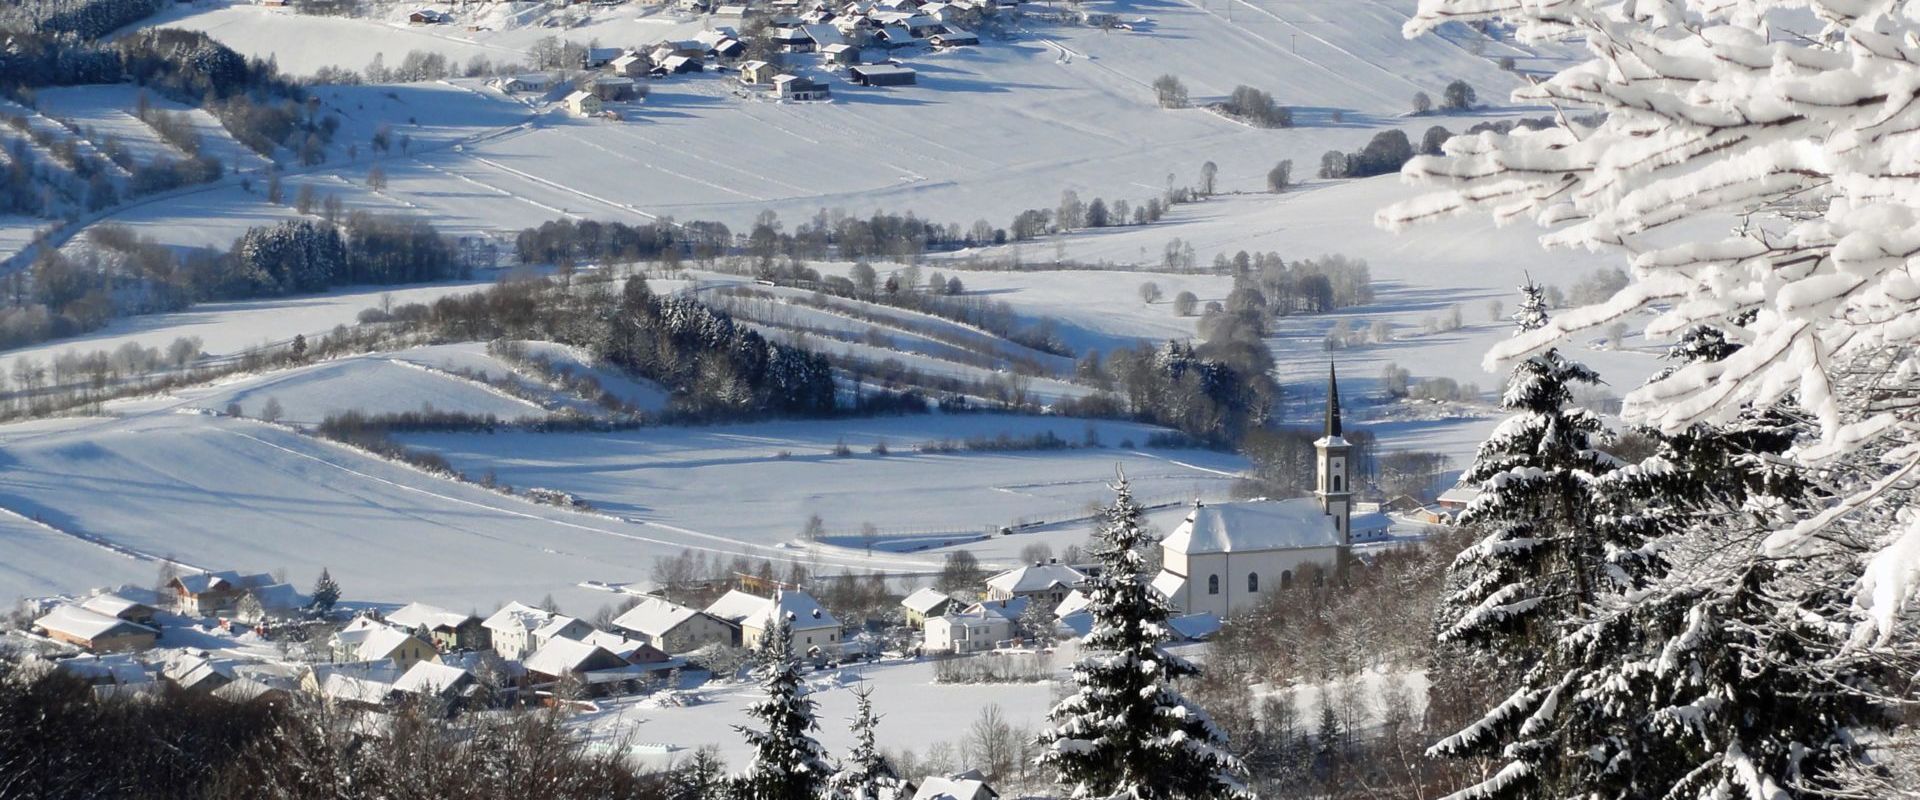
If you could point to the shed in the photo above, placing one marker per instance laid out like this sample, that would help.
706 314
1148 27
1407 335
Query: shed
101 633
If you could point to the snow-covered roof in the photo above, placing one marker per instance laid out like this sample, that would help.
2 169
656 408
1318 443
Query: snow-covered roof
655 616
114 605
1195 627
561 656
926 600
421 615
1167 584
578 95
1460 493
555 626
1035 577
616 644
517 616
201 582
1076 601
824 34
1254 525
85 624
954 788
803 612
381 642
1011 608
120 668
972 619
736 606
355 687
427 677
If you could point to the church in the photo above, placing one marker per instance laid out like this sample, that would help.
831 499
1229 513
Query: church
1224 557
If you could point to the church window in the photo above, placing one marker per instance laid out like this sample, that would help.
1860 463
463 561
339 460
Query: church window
1253 581
1336 483
1213 584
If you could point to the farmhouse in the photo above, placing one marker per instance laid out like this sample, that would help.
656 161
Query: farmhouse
794 87
565 657
791 40
673 628
426 16
841 53
359 684
678 65
428 679
953 37
596 57
964 786
114 605
209 593
448 630
613 88
631 65
517 629
395 645
583 103
812 626
530 82
754 72
100 633
926 603
894 36
967 633
1049 583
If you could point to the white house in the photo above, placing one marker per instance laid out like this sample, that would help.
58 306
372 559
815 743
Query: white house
812 626
1223 558
517 629
671 627
1049 582
967 633
583 103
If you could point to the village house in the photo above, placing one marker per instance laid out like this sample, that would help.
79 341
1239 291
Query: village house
823 35
114 605
357 685
196 671
582 103
530 82
953 37
427 680
426 16
597 57
1047 582
730 11
673 628
892 36
882 75
100 633
794 87
1456 499
563 658
791 40
970 632
209 593
754 72
678 65
925 603
518 629
448 630
753 615
631 65
393 644
841 53
969 785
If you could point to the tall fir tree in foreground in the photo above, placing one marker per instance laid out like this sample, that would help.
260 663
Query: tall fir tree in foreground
866 774
1540 495
788 763
1126 732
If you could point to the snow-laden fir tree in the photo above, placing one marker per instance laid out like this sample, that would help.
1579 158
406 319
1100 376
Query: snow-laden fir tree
1126 732
1543 554
788 763
865 774
1769 140
326 591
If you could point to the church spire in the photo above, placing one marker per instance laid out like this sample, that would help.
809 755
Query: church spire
1333 402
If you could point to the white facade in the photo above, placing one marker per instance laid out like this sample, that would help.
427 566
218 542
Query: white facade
967 633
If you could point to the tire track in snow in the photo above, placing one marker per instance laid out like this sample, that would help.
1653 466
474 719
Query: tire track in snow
565 188
665 171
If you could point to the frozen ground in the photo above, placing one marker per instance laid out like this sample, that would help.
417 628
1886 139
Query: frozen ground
375 384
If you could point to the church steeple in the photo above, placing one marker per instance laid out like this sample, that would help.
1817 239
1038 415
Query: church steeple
1333 403
1333 486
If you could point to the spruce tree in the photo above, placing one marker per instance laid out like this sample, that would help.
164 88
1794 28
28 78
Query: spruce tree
1126 731
325 592
866 774
788 764
1538 474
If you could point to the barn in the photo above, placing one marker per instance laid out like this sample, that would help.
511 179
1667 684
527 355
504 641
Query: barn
882 75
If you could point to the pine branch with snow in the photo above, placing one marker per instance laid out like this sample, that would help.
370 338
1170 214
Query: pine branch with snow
788 763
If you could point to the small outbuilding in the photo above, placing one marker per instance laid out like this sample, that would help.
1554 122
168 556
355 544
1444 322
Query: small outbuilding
882 75
583 103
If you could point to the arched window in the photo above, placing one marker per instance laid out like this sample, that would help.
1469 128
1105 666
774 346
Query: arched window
1336 483
1253 581
1213 584
1286 578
